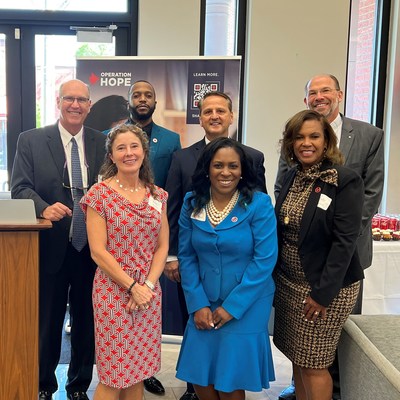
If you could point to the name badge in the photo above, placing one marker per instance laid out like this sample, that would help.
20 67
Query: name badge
157 205
324 202
201 216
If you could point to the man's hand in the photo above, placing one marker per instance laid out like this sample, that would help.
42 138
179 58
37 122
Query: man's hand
171 270
56 211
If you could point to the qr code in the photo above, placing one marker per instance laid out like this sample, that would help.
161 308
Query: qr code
200 89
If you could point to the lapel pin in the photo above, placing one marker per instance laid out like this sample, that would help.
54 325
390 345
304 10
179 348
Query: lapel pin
317 189
155 140
234 219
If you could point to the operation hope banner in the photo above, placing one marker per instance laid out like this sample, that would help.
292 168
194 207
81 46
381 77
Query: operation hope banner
179 83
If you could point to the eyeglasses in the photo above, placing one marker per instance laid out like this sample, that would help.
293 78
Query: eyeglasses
324 92
71 99
65 179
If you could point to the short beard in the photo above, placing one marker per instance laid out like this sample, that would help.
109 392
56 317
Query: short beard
135 116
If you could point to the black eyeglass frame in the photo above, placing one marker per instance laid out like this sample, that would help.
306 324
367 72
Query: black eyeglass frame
65 186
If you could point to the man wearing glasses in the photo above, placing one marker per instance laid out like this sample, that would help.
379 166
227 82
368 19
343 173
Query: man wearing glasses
362 147
54 166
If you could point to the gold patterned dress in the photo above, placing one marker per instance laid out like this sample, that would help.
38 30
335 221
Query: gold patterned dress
306 344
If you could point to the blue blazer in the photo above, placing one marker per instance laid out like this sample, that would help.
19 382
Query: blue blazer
232 262
163 144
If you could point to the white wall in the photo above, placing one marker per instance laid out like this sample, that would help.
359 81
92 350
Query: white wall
288 42
169 28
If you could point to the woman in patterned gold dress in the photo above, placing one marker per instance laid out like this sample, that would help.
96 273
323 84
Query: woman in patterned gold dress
318 270
128 237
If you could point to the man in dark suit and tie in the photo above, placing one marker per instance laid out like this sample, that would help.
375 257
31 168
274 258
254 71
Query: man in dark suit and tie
362 147
163 143
215 117
54 166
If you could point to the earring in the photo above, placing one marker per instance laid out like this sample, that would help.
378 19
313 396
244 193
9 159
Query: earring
241 177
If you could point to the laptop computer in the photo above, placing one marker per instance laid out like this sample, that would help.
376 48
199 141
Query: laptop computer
17 212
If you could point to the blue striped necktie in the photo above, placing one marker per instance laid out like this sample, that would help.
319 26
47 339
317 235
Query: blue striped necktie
79 236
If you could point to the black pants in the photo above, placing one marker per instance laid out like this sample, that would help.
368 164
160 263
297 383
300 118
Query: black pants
75 278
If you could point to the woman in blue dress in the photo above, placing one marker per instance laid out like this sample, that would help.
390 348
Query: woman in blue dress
227 251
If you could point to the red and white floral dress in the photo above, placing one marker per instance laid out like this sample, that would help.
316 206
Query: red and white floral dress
128 345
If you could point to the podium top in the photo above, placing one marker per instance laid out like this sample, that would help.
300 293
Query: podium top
39 225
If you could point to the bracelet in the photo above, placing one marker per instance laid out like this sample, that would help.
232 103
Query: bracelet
130 287
149 284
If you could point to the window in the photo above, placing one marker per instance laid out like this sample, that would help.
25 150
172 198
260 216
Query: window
220 29
62 5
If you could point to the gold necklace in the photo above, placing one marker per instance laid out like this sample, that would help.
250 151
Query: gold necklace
216 216
132 190
286 218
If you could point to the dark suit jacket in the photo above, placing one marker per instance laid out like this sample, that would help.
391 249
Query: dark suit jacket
162 145
362 147
328 238
179 182
38 175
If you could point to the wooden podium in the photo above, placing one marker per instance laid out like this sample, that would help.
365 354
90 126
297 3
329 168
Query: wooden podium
19 310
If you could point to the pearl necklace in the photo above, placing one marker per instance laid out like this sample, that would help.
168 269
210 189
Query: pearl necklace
127 189
216 216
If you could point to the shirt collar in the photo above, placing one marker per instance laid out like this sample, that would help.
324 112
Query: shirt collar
66 136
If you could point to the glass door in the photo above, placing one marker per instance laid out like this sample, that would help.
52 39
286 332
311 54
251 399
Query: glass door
34 61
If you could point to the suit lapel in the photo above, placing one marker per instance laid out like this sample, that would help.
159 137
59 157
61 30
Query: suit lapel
346 138
309 210
198 148
90 155
155 139
56 149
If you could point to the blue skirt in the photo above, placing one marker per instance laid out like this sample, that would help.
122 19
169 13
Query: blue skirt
236 356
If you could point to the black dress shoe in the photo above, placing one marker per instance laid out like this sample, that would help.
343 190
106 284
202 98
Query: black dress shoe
153 385
288 394
77 396
45 395
189 396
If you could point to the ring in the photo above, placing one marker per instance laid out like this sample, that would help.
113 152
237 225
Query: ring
137 308
146 307
316 313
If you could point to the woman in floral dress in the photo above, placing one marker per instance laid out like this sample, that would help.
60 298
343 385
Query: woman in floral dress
128 237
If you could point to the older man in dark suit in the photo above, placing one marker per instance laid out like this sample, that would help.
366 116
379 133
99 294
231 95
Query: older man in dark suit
362 147
54 166
215 117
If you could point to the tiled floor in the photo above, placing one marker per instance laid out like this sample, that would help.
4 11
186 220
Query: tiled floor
174 387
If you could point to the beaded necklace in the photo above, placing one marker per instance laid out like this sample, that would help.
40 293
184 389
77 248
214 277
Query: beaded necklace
216 216
132 190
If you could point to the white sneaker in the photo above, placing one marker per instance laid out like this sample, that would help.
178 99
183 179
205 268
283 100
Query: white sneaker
67 327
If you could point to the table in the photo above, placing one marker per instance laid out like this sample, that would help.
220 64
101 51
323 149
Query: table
382 280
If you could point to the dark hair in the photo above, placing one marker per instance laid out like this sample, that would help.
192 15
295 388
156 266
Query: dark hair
106 111
201 180
134 83
293 127
109 169
215 93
